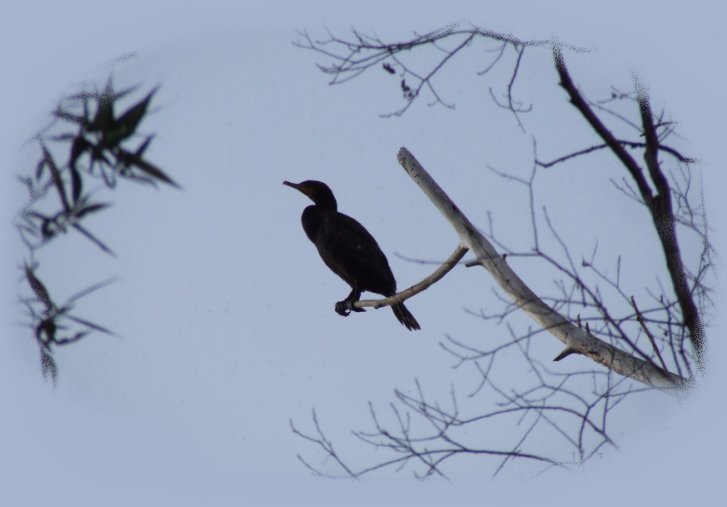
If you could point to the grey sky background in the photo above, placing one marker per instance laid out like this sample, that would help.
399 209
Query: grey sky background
223 308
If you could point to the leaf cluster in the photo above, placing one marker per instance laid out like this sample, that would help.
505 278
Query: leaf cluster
96 143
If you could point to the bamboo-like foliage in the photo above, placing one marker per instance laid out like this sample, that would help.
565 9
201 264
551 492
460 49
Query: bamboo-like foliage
87 141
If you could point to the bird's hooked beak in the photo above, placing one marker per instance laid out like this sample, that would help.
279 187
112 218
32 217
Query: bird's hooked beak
298 187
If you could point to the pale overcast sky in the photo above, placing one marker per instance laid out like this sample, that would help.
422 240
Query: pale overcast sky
223 309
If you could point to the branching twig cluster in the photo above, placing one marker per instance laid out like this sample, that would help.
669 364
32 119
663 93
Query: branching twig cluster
660 328
350 57
655 191
426 434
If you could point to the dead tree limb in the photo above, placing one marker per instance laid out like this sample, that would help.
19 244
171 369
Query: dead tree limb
658 202
415 289
576 339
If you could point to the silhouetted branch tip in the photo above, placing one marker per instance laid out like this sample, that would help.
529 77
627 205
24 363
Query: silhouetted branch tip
567 352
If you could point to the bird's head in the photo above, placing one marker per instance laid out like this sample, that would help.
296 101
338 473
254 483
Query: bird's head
317 191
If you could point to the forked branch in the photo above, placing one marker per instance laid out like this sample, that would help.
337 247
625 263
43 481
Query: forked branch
415 289
658 200
575 338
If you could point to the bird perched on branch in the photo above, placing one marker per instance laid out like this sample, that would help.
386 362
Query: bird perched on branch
349 250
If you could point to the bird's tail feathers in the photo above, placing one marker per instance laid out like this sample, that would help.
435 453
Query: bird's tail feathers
405 317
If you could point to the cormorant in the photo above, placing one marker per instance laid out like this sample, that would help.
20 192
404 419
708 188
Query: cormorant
349 250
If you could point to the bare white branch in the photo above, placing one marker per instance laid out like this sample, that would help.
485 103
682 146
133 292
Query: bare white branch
576 339
418 287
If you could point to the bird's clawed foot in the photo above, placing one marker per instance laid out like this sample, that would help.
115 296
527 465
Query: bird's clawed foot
346 306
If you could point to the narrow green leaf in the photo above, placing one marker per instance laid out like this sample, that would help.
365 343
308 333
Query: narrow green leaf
76 183
88 290
154 171
128 158
128 122
48 365
108 175
104 118
91 325
56 177
116 95
142 148
39 169
78 147
73 118
93 238
40 291
78 336
91 208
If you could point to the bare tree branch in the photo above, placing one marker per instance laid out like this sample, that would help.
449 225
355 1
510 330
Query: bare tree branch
659 204
415 289
350 57
575 338
630 144
592 309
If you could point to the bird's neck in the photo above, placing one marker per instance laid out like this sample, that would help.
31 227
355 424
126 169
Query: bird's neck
326 202
311 218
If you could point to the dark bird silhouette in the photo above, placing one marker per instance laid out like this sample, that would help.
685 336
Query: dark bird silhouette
349 250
